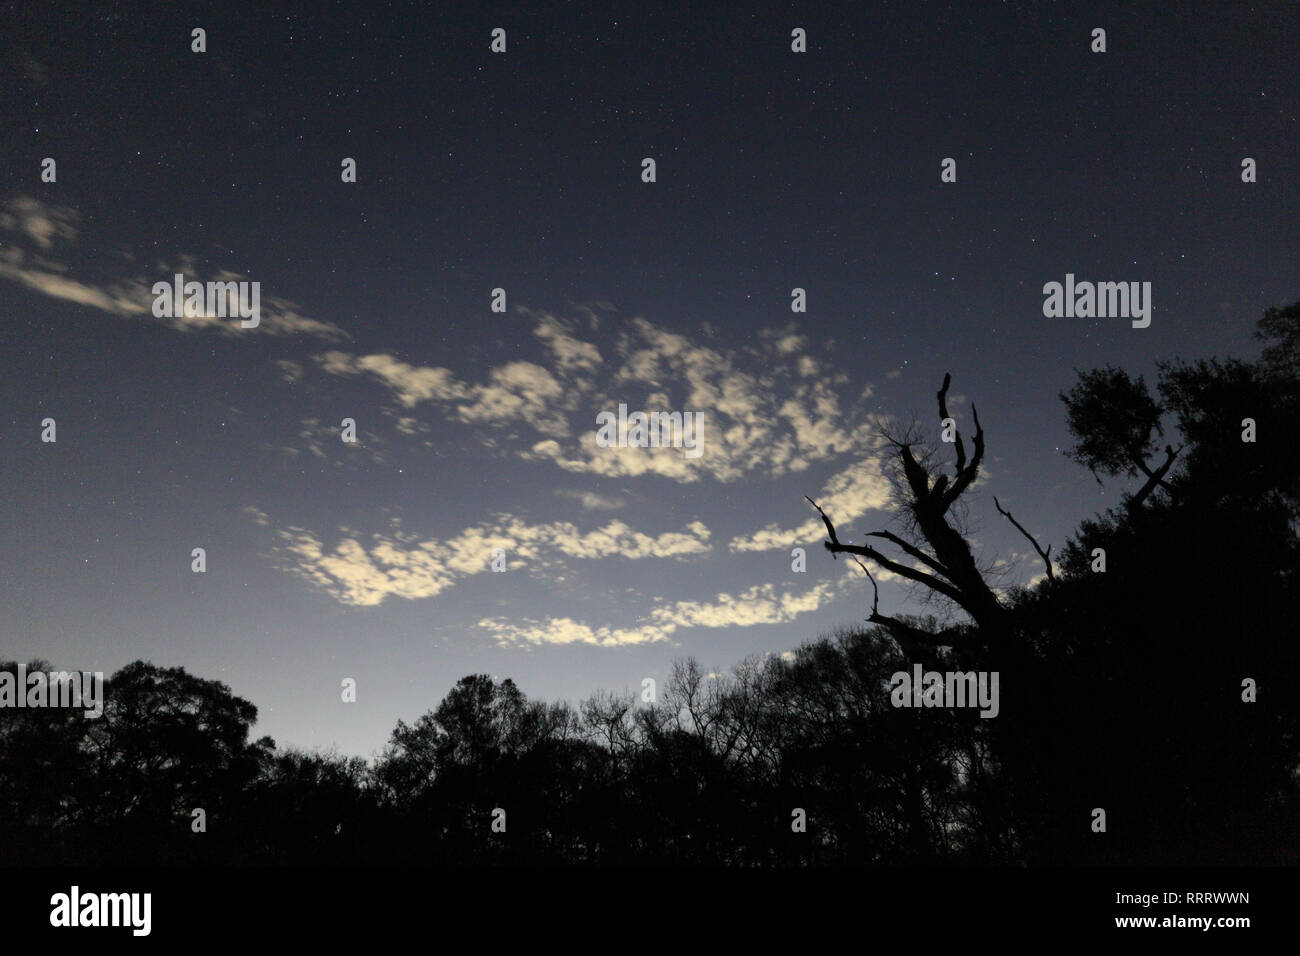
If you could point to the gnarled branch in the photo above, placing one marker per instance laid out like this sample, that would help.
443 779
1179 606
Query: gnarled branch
943 414
956 575
950 591
933 563
912 640
1045 555
967 475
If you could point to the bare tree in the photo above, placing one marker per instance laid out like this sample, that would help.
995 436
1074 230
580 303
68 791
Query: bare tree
942 560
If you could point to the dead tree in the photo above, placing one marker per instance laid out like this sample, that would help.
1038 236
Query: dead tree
948 568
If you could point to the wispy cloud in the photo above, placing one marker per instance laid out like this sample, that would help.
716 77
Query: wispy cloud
757 605
590 500
847 496
37 235
402 566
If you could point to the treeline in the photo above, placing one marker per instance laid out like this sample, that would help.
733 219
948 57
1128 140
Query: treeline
1153 675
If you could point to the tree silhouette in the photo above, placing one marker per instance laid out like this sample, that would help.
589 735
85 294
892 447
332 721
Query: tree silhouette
1157 685
166 744
948 568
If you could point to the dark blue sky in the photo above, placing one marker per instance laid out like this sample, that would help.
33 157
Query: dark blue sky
775 170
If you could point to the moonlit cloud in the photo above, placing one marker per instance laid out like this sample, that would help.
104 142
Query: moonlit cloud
591 501
409 384
571 354
768 412
849 495
517 391
50 228
393 566
765 412
758 605
41 223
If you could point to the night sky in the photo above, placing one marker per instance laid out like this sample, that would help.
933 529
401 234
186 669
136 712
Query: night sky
775 170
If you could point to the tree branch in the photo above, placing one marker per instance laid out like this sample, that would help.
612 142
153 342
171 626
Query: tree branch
1156 478
917 477
943 413
830 528
902 570
834 547
933 563
1045 555
967 475
912 640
